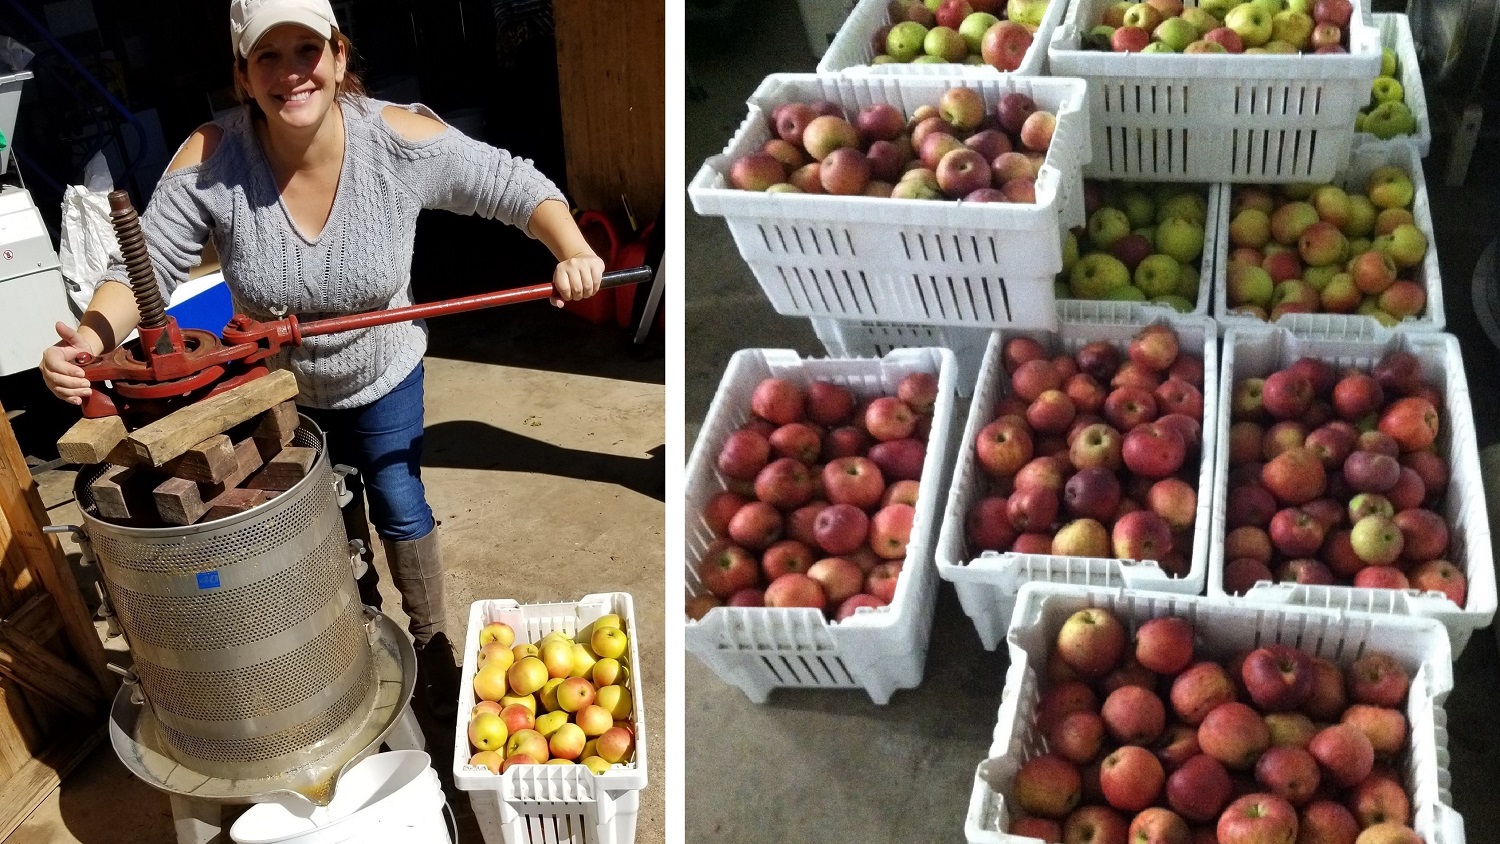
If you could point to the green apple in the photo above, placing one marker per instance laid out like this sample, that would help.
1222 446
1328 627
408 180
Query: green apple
1201 19
1361 217
1218 8
1187 285
1406 245
1293 27
1181 239
1271 7
945 43
1319 277
1106 226
933 5
887 59
1387 61
1026 12
1158 47
1388 120
1158 275
974 27
1070 249
974 60
1101 37
1303 6
1176 33
1125 293
1297 191
1390 187
1060 289
1177 303
1138 206
904 42
1096 274
1386 90
1359 122
1279 48
916 189
1186 205
1252 22
925 59
1249 285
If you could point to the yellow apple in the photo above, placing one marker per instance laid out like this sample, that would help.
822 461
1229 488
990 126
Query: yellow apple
594 719
591 748
497 653
517 717
557 655
490 706
556 761
607 671
548 724
496 631
527 675
595 764
616 699
517 759
490 682
548 694
574 694
615 744
610 620
489 759
609 642
528 701
583 660
624 724
567 742
524 650
488 731
527 743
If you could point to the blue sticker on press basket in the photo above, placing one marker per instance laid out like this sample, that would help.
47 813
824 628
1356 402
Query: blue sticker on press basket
208 580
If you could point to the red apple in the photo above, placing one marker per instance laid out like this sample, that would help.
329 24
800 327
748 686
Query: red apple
743 455
1133 715
789 555
1257 819
795 590
853 480
1199 690
1344 753
1165 645
1199 789
1290 773
1441 576
882 581
726 569
1234 734
1278 677
1131 778
1091 642
1048 785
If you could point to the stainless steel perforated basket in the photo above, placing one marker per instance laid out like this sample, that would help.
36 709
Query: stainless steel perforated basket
247 632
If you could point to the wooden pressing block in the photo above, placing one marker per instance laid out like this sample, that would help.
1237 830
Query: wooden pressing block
110 492
276 427
180 430
208 462
247 457
233 501
283 471
92 440
178 501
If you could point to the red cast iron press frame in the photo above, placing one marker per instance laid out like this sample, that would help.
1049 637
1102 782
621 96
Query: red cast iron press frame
168 367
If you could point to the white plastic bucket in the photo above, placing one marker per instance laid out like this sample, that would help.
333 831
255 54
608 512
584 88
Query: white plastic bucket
391 796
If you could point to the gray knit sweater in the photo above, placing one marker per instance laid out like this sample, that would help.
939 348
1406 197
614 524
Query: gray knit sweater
361 261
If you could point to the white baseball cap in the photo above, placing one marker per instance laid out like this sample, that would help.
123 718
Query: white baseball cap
250 19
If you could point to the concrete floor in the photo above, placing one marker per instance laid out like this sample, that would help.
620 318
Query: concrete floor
834 765
544 466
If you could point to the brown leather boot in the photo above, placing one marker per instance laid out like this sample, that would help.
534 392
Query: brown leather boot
417 570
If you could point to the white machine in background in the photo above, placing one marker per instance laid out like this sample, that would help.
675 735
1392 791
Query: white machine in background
32 294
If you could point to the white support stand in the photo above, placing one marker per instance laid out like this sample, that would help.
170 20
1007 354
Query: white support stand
202 821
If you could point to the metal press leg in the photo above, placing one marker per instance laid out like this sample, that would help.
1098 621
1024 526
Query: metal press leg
197 821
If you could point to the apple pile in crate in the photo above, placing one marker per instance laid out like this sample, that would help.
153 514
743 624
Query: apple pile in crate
1224 26
554 702
1334 478
1159 743
954 150
1387 114
1094 455
1142 243
1302 249
958 31
822 499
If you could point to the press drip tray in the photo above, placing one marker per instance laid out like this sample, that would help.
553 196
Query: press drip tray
137 741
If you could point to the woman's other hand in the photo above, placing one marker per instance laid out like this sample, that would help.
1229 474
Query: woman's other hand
577 278
60 369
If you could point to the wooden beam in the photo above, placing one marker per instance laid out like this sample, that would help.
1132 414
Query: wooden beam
22 511
182 429
276 427
234 501
19 737
26 661
247 457
283 471
37 618
91 440
178 501
29 786
207 462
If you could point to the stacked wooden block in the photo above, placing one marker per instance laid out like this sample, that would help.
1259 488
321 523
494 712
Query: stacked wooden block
207 461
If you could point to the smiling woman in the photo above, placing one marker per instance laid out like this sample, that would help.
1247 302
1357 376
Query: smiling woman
310 194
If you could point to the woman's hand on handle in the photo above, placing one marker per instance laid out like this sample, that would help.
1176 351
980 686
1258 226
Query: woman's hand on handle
577 278
60 369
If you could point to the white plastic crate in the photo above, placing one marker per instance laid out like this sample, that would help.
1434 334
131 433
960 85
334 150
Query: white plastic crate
1223 629
1395 33
890 260
1255 353
851 50
758 649
987 583
1086 310
852 339
1238 118
552 804
822 20
1400 152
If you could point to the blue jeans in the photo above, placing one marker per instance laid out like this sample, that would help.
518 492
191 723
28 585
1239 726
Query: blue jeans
383 440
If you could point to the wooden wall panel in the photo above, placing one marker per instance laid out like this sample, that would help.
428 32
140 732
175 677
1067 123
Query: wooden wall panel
612 84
